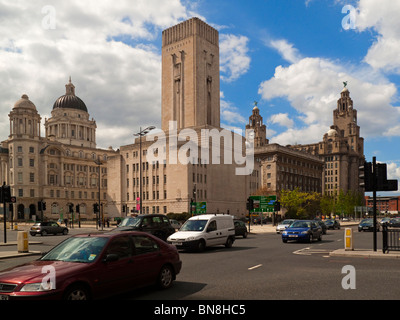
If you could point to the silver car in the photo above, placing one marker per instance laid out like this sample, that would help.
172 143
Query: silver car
45 228
284 224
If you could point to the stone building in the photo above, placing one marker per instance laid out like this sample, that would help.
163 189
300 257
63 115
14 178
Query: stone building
185 164
283 168
59 168
341 149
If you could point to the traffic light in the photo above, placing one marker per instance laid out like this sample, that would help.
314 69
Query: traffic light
44 206
77 208
5 194
39 204
277 206
71 208
250 204
95 207
366 177
383 184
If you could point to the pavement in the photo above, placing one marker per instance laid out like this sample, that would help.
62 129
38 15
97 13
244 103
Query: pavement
254 229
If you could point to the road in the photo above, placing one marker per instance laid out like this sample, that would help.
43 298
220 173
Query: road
262 267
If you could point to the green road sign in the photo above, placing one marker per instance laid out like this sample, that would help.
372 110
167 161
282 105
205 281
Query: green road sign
263 203
199 207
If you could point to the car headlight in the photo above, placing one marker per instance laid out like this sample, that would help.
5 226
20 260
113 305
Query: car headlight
34 287
190 239
284 233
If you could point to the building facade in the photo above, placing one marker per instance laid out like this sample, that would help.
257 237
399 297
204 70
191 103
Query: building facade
62 168
194 158
341 149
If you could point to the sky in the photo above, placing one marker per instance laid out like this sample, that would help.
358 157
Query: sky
291 56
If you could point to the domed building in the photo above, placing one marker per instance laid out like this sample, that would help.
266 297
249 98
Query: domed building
62 168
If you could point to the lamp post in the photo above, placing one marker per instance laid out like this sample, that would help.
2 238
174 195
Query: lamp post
140 134
99 163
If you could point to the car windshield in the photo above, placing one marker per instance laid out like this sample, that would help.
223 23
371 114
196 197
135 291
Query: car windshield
366 221
301 224
129 221
194 225
287 221
79 249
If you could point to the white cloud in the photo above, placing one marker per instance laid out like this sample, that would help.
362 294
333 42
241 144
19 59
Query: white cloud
281 119
382 17
313 85
234 58
117 81
230 114
286 50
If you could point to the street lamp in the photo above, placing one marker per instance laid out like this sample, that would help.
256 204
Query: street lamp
99 163
140 134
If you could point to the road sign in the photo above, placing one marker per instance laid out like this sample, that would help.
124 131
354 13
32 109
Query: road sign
199 207
263 203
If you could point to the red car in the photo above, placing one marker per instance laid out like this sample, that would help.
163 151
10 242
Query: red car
94 266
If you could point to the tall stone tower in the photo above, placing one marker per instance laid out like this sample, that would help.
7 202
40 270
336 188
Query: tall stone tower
190 75
260 129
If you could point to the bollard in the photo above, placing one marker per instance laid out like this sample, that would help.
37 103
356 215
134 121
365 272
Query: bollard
348 239
15 226
22 242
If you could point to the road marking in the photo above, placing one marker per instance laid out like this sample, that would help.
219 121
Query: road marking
255 267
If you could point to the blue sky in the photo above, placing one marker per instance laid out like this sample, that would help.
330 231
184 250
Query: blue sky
289 55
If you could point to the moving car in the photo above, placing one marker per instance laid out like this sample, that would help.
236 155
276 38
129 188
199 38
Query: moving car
93 266
175 223
395 222
284 224
302 230
332 224
368 225
155 224
45 228
204 230
240 228
322 225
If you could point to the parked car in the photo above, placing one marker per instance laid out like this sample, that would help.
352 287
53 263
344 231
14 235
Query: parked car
332 224
384 221
155 224
92 266
284 224
240 228
306 230
48 227
395 222
203 231
368 225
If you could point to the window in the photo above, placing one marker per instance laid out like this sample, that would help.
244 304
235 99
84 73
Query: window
121 246
144 244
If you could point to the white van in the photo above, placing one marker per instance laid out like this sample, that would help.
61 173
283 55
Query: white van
203 231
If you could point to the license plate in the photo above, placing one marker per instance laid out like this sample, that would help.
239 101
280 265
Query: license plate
3 297
293 235
178 243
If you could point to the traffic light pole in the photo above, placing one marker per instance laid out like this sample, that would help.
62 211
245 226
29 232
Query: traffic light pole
4 212
374 184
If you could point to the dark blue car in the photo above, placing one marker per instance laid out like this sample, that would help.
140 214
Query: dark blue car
302 230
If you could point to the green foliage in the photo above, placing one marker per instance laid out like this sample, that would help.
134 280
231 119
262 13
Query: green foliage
179 216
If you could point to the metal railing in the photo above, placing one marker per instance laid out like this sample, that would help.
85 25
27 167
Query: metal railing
390 239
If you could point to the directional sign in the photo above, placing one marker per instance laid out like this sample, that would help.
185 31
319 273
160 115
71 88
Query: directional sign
199 207
263 203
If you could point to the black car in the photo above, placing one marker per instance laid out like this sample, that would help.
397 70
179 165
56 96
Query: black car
240 228
395 222
332 224
155 224
368 225
322 225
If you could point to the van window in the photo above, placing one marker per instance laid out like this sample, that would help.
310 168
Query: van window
212 226
194 225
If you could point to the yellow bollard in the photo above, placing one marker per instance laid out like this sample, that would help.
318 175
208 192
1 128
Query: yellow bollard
22 242
15 226
348 239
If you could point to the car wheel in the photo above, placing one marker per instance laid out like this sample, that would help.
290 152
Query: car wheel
311 238
76 292
284 240
245 235
201 245
44 233
166 277
229 243
320 238
65 232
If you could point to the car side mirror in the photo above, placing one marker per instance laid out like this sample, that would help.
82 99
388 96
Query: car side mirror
111 257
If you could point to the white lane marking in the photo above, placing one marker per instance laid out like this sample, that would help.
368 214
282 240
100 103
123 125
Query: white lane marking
255 267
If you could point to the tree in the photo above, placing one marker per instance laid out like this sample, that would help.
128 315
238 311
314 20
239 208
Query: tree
300 205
